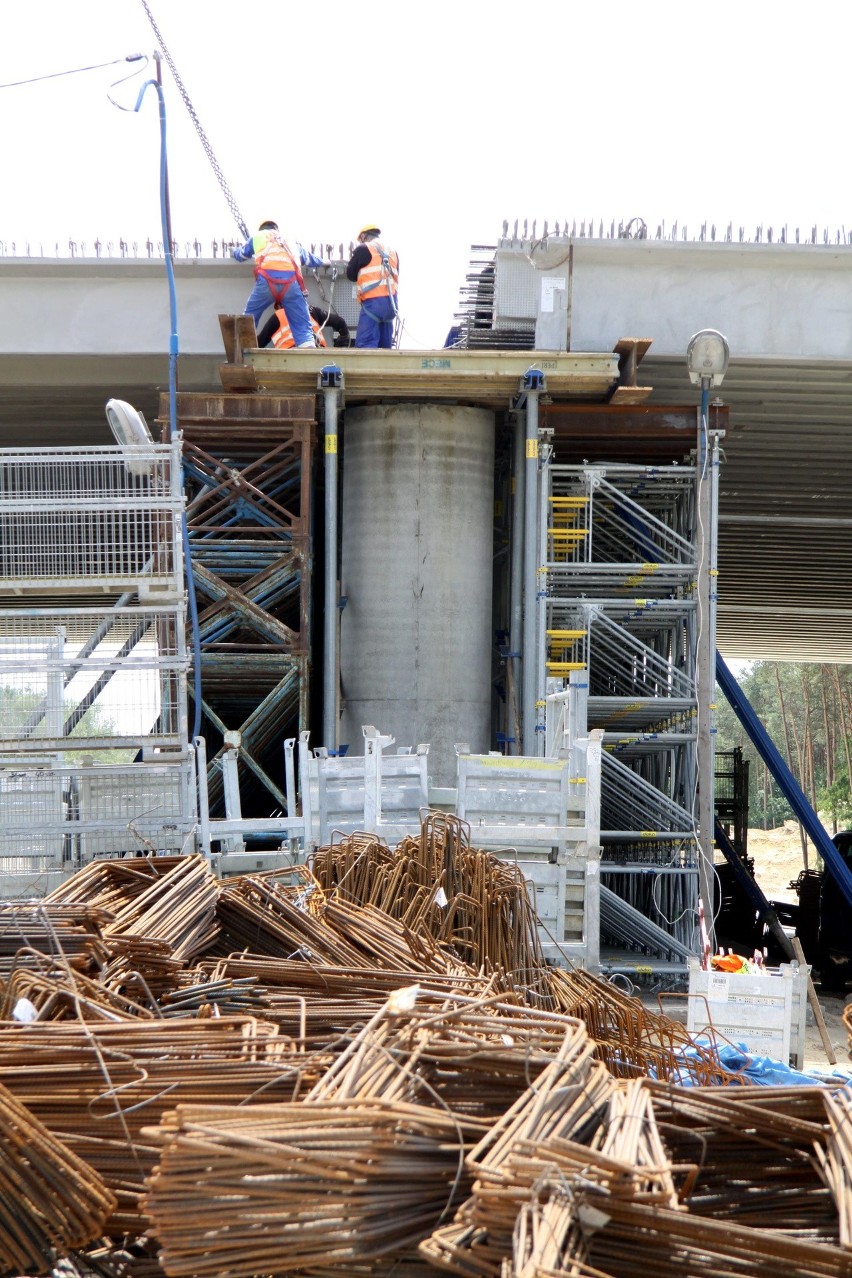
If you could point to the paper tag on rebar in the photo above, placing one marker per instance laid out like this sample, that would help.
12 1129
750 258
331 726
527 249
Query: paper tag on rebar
24 1011
403 1000
591 1218
440 897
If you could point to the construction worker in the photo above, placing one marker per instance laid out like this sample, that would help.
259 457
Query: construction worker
278 333
329 319
278 279
375 272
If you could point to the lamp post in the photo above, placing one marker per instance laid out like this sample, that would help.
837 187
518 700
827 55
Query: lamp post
707 361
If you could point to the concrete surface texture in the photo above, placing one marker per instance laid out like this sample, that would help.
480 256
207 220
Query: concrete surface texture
416 568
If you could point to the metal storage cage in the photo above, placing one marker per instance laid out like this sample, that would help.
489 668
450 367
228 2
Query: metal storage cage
378 792
87 691
92 678
91 520
60 817
545 816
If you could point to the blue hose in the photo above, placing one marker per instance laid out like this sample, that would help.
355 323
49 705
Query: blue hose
173 356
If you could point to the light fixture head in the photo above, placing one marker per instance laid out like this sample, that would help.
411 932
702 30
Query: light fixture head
707 357
131 432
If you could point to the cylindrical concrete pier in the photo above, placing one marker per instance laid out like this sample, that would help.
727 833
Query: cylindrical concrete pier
416 570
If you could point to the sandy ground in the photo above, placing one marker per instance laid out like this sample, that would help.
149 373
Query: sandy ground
777 856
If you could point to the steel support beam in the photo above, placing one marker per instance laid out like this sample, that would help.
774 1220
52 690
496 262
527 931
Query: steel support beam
532 384
705 642
331 384
516 586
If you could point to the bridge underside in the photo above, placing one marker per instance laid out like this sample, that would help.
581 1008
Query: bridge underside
785 527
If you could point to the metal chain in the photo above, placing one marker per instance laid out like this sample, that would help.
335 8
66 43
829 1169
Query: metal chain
220 177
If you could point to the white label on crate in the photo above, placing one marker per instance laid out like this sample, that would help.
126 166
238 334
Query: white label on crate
718 984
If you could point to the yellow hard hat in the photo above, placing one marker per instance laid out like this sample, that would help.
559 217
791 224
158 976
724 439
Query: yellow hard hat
369 226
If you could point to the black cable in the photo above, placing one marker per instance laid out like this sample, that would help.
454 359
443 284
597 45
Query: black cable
131 57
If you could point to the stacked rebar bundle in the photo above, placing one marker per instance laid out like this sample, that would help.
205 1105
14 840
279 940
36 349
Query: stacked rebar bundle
50 1199
57 992
259 915
171 899
96 1086
730 1183
630 1038
438 885
472 1057
315 1187
373 1158
71 929
566 1103
374 1069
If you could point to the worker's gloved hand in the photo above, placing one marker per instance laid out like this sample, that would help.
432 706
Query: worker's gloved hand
238 254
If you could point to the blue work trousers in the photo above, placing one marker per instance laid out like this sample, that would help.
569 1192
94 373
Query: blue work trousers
295 306
375 323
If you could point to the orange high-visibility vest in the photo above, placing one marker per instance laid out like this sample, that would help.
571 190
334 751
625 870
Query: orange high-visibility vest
380 277
271 253
283 338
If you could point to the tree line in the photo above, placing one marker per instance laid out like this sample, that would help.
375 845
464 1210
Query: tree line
807 711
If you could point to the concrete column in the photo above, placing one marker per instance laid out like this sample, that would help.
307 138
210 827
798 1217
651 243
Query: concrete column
416 573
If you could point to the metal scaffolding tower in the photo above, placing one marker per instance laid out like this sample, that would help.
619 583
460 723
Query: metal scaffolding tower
621 626
247 472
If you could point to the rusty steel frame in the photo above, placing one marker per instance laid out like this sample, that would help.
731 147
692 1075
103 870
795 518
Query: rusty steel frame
247 463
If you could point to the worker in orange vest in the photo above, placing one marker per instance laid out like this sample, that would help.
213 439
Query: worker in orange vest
277 332
374 270
278 279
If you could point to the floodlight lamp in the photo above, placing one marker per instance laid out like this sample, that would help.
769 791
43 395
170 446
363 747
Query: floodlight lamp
707 357
131 432
127 423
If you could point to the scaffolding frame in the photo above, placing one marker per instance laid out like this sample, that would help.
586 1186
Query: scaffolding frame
247 473
618 632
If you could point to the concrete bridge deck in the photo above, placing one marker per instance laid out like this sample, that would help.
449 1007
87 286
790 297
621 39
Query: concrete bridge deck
74 332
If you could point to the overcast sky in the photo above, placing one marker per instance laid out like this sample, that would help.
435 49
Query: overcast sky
437 120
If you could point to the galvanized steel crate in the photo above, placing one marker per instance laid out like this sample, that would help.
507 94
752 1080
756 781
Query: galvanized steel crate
91 519
51 817
543 816
765 1012
92 678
